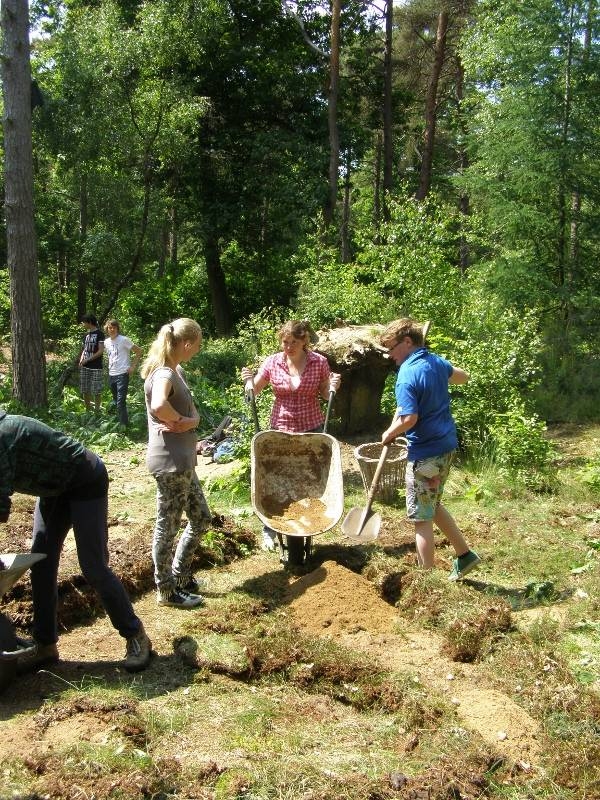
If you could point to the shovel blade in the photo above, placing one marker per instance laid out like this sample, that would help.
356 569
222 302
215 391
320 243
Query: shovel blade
351 527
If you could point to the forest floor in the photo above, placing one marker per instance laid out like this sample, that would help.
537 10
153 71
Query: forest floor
227 724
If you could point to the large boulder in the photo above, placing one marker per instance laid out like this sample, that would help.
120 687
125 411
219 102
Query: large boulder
354 351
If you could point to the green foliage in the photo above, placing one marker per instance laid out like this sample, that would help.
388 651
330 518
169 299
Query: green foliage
4 301
590 473
59 311
521 449
147 305
411 271
329 290
528 69
500 350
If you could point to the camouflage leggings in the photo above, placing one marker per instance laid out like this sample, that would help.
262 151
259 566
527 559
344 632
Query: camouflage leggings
177 492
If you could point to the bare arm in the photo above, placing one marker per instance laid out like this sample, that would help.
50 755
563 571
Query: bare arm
258 384
331 383
136 352
458 376
93 357
400 424
162 409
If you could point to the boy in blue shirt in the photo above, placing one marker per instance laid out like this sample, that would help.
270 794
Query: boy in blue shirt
423 416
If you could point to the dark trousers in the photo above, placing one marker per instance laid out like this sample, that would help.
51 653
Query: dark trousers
119 385
53 518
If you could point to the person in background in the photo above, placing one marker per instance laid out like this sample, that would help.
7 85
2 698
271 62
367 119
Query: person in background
120 349
90 362
423 416
171 459
71 484
298 378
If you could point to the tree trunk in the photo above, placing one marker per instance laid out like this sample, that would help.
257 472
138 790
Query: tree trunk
217 286
163 245
464 253
334 136
576 195
27 341
431 107
564 223
345 232
83 226
377 189
173 242
388 143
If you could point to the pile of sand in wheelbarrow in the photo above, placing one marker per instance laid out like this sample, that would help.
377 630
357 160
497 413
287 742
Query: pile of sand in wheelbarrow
332 600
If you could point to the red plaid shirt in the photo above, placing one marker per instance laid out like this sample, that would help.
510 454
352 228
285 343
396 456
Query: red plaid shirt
296 410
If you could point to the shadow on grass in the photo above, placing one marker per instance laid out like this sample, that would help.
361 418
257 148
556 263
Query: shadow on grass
165 673
531 596
272 587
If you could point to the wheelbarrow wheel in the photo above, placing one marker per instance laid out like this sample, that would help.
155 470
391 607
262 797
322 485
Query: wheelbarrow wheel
296 550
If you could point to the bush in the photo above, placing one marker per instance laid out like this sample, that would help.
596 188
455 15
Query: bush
521 449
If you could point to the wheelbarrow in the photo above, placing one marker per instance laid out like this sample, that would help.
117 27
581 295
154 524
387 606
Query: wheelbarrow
296 487
12 567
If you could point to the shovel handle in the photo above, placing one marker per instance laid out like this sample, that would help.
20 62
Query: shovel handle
375 482
372 489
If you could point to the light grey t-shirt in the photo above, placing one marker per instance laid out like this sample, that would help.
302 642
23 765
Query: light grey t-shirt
170 452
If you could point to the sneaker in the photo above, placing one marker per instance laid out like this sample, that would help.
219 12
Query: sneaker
178 598
36 655
268 540
137 652
189 584
462 565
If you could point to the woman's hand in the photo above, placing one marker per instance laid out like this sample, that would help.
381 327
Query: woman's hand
180 425
335 381
247 374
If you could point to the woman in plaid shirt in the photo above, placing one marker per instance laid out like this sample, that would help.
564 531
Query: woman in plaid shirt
298 378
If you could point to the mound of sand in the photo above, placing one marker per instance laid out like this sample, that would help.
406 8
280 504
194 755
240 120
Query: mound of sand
332 600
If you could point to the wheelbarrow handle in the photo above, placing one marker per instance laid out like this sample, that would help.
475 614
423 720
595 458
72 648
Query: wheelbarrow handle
251 399
329 404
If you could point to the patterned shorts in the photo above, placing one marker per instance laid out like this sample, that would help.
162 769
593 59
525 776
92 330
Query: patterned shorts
91 381
425 481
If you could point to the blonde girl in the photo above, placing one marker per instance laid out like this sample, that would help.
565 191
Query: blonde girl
171 459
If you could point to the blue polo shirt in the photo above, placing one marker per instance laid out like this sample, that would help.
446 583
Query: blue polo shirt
422 388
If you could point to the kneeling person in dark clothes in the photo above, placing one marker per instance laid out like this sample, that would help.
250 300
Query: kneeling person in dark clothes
71 484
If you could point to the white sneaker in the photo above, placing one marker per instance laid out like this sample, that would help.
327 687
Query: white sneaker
268 542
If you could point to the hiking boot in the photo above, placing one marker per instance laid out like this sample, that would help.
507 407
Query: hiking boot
462 565
178 598
36 655
138 651
189 584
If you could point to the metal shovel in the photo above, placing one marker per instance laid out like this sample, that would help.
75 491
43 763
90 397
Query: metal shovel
359 524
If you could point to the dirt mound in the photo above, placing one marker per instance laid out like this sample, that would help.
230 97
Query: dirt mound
333 600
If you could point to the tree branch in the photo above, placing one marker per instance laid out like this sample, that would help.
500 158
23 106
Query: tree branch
287 9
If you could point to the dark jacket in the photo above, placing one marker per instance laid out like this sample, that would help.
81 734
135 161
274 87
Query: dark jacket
37 460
